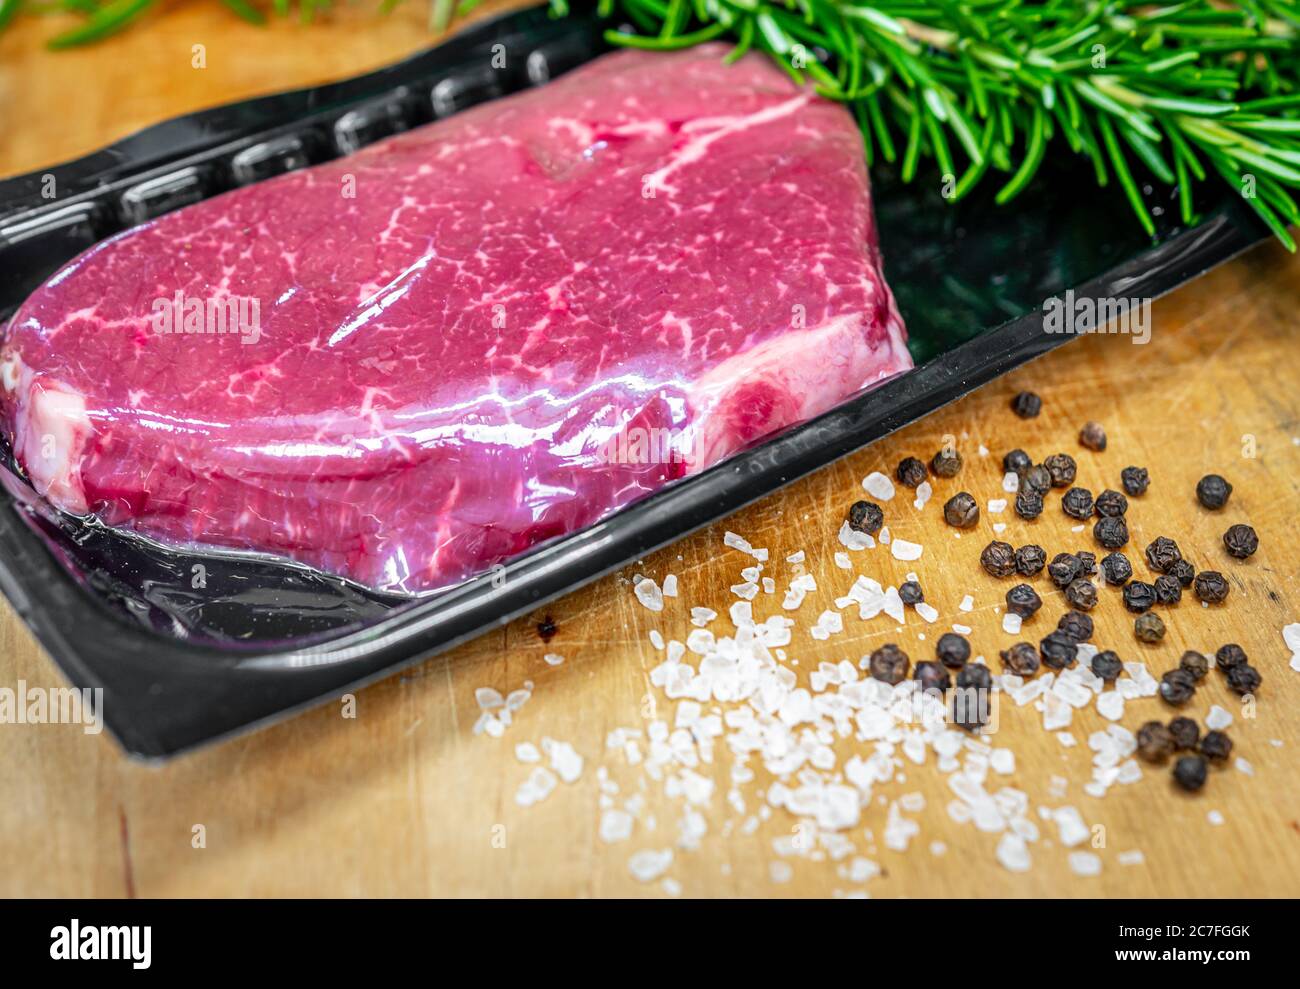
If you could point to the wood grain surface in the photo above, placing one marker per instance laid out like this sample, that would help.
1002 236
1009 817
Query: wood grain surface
404 799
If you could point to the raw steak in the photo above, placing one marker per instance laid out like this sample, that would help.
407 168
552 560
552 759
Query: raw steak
468 338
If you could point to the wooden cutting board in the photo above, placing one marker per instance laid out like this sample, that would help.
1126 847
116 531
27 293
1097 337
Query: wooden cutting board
404 799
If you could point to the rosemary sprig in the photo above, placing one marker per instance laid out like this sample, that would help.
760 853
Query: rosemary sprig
1188 90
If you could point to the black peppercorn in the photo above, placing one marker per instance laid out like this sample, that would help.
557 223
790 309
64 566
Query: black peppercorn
1216 746
1023 600
1016 462
1092 436
1149 628
910 592
932 676
1244 679
1116 568
1111 532
1077 503
1062 468
1185 732
1194 663
1168 590
1229 656
961 511
1058 650
974 676
1038 479
1184 571
1139 596
1212 491
1241 542
1135 481
1021 659
998 559
1110 504
1063 569
864 516
1076 625
889 663
1154 742
1162 554
1030 560
1081 594
1177 687
1211 586
1189 772
946 463
910 472
1087 563
952 650
1026 405
1029 504
1107 665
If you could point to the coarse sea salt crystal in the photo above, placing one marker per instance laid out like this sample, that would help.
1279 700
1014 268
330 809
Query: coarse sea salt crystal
564 759
927 611
670 586
1011 623
842 561
997 506
1010 482
923 492
527 752
878 485
615 826
796 557
1003 761
885 535
649 594
1291 636
649 864
892 604
1071 826
967 604
702 616
999 527
1013 853
488 698
850 538
1214 817
1085 864
961 629
1110 705
736 542
780 872
1218 718
904 550
1244 767
537 787
1133 856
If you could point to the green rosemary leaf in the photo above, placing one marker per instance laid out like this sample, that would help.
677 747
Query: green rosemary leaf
246 11
1125 177
7 10
108 19
1033 158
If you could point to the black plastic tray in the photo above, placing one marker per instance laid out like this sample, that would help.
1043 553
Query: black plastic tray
181 666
